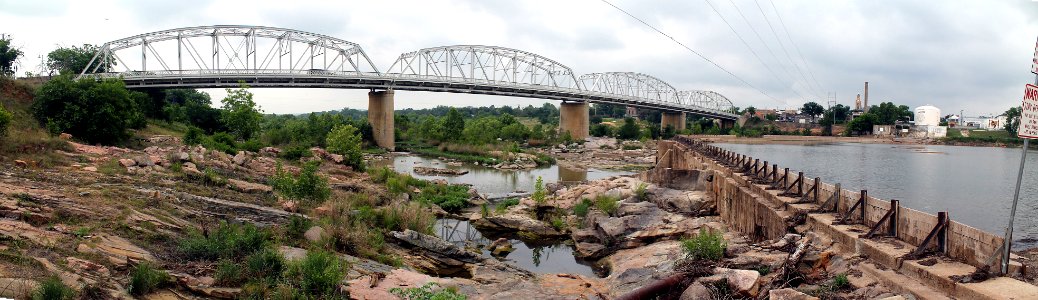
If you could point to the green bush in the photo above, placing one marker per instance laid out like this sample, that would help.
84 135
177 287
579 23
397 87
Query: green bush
5 121
227 240
448 196
53 289
381 175
429 291
317 275
228 273
307 186
502 206
607 204
346 141
707 245
212 178
538 191
221 141
295 152
266 264
296 227
581 209
95 111
193 136
144 279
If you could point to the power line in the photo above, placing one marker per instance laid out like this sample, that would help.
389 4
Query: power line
786 29
783 46
690 50
761 39
748 46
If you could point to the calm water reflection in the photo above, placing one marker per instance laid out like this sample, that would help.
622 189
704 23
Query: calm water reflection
973 184
549 257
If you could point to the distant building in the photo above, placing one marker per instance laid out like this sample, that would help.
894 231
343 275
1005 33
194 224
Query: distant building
763 113
927 115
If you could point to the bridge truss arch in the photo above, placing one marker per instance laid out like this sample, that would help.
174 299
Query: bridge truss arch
493 65
706 99
230 50
632 85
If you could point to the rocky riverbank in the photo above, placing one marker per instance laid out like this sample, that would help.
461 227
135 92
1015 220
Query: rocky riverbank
606 154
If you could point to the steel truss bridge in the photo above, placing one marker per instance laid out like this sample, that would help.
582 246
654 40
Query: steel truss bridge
224 55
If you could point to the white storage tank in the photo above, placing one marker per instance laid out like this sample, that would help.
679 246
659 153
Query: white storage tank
927 115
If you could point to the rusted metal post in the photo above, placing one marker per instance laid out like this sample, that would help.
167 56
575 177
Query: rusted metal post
942 236
800 184
895 207
864 198
816 188
836 201
774 173
785 178
765 167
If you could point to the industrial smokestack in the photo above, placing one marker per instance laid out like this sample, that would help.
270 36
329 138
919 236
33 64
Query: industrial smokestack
866 96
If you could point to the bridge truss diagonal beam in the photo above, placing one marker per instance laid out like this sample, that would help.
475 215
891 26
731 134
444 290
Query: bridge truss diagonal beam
484 64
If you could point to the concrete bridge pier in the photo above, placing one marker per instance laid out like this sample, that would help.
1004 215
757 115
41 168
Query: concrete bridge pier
726 124
674 119
380 116
574 119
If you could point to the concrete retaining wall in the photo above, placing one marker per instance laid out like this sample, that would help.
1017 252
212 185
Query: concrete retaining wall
756 212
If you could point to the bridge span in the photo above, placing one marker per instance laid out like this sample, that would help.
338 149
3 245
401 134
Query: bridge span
285 58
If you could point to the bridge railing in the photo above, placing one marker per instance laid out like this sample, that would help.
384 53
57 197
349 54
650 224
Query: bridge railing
392 79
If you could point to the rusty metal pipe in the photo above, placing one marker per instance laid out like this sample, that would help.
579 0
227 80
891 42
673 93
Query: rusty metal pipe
657 288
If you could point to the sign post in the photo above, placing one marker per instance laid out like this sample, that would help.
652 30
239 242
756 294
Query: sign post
1028 130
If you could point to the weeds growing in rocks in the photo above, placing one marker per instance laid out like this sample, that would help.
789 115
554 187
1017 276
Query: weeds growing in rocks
448 196
296 227
503 206
53 289
307 186
144 278
429 291
227 240
581 209
558 223
318 274
607 204
707 245
641 192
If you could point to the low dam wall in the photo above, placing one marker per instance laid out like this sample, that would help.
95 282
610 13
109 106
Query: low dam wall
754 198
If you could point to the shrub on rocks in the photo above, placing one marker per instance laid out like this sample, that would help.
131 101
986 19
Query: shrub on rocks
227 240
581 209
307 186
607 204
318 275
707 245
52 288
144 278
346 141
5 121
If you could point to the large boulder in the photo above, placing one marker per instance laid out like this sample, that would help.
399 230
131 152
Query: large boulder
435 255
249 187
744 282
517 221
314 234
696 291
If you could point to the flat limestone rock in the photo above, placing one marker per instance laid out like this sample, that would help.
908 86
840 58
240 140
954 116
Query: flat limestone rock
117 249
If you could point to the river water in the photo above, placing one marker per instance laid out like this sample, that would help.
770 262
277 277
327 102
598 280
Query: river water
542 257
973 184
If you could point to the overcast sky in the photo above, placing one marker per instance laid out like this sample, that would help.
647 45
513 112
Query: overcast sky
971 55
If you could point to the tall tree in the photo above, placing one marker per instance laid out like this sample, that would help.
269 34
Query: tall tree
453 125
74 60
241 114
629 131
1013 120
91 110
887 113
345 140
8 56
812 109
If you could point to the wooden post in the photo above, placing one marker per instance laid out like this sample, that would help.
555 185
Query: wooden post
785 179
836 201
817 188
864 201
942 236
774 173
895 208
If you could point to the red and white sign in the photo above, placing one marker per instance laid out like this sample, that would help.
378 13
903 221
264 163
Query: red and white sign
1029 114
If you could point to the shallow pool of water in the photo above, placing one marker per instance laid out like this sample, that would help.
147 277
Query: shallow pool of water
493 182
549 258
546 257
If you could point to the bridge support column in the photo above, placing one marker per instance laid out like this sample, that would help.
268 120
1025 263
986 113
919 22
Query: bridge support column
726 124
674 119
380 116
574 119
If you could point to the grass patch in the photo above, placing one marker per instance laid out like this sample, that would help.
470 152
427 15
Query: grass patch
318 275
429 291
448 196
707 245
52 289
581 209
607 204
641 192
226 241
503 205
144 278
